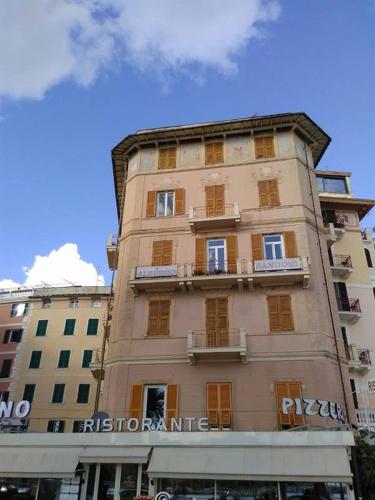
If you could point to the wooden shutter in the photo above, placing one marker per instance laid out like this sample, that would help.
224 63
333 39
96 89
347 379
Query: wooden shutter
290 244
217 322
200 255
135 410
164 308
225 405
153 318
295 393
268 193
232 253
282 391
213 404
172 403
167 158
263 193
214 153
219 199
162 253
273 313
257 246
280 313
158 317
211 315
210 201
151 204
179 201
264 147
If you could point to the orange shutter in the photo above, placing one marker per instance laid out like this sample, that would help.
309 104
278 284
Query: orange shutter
285 312
167 252
151 204
273 313
264 147
213 404
200 255
172 404
153 317
290 244
232 253
219 200
222 333
257 246
135 410
295 393
157 253
273 193
226 405
282 391
263 193
164 308
179 201
211 322
214 153
210 201
167 158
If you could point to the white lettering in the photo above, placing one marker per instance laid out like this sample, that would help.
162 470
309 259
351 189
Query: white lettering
146 424
309 407
285 405
203 424
98 425
323 408
23 409
131 427
107 425
176 424
161 425
340 413
190 421
332 410
88 425
120 423
6 408
298 404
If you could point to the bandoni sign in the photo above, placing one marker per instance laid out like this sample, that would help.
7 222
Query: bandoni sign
313 407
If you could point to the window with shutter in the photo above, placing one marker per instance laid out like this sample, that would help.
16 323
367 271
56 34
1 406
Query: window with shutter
36 356
219 405
63 359
200 255
135 409
5 369
29 392
231 254
167 158
280 313
290 244
162 253
92 326
215 200
41 329
179 201
268 193
214 152
217 330
257 246
158 317
151 204
69 326
264 147
172 404
288 390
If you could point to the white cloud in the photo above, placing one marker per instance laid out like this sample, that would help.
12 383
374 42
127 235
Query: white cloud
63 266
44 42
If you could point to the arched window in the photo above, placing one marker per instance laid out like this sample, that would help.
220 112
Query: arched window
368 257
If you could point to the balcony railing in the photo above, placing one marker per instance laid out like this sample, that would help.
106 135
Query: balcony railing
358 359
217 343
336 231
341 261
112 253
366 419
222 217
95 365
364 357
349 309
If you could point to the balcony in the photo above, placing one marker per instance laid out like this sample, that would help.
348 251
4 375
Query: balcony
341 265
202 219
358 359
158 278
335 231
349 309
228 344
107 326
95 366
366 419
112 253
290 271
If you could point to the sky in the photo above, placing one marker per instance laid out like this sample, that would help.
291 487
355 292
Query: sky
77 76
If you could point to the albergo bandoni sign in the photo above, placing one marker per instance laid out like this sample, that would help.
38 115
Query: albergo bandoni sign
9 409
313 407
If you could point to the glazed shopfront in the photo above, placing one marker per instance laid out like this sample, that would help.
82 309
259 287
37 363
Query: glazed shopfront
177 465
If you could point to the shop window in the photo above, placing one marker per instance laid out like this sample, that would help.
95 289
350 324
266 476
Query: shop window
83 393
56 426
12 336
215 203
19 309
69 326
214 153
73 303
78 425
29 392
96 303
158 317
219 406
63 359
92 326
162 253
87 357
368 257
268 193
167 158
288 390
35 359
46 303
248 490
5 368
264 146
41 329
202 489
280 313
58 393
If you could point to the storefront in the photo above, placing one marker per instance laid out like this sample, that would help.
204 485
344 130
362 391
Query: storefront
178 465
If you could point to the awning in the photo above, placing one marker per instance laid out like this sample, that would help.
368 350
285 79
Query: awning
39 462
118 455
252 463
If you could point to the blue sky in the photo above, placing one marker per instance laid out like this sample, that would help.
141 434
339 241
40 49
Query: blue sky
78 83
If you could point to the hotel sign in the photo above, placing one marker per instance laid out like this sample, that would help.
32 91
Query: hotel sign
155 271
277 264
313 407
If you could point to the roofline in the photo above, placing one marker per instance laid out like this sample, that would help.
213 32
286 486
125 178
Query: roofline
333 173
363 205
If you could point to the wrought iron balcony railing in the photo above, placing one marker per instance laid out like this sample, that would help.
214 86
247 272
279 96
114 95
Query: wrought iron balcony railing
349 305
341 261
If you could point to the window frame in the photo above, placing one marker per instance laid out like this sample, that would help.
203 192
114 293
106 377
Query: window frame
83 358
6 373
158 193
14 312
73 303
324 180
40 328
46 303
29 387
90 322
35 359
60 358
216 267
273 244
95 302
10 333
65 327
88 394
62 395
146 387
54 422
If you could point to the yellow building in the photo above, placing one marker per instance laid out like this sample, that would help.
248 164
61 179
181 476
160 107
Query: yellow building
62 335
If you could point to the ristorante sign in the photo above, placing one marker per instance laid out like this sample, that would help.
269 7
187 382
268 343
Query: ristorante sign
122 424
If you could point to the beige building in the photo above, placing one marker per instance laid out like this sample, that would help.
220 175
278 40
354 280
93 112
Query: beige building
62 335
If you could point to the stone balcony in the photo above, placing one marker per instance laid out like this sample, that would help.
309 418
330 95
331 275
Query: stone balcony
359 360
227 217
366 419
112 252
226 344
341 265
335 232
349 309
95 365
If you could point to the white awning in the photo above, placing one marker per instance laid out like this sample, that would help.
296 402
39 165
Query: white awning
38 462
252 463
117 455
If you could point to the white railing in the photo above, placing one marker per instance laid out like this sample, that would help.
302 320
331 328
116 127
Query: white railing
366 419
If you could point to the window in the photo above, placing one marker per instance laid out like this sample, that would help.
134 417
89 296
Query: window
83 393
264 147
162 253
78 425
56 426
273 246
158 317
19 309
87 357
29 392
215 200
4 396
5 369
46 303
217 333
214 152
165 203
154 397
63 359
216 255
288 390
280 313
12 336
155 402
69 326
268 193
341 294
354 393
92 326
41 329
96 303
332 184
368 257
35 358
219 406
58 393
73 303
346 343
167 158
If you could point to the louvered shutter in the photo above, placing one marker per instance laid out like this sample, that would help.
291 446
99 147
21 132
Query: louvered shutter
210 201
264 147
179 201
214 153
213 404
219 200
167 253
200 255
164 307
232 253
263 193
225 406
135 410
172 403
219 152
282 391
153 317
211 322
257 246
157 253
290 244
273 193
222 322
285 312
167 158
274 313
151 204
295 393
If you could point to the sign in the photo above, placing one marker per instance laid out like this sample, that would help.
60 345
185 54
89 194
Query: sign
155 271
122 424
371 385
277 264
20 410
313 407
